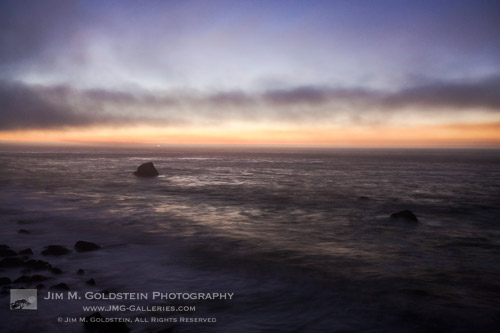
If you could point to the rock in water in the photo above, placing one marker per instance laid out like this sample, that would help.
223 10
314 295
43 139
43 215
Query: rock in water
26 252
83 246
60 286
5 280
406 215
146 170
55 250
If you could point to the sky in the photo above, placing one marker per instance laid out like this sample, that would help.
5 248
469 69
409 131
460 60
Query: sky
320 73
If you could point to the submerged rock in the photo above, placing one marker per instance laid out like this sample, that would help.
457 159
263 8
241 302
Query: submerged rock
80 272
55 250
97 323
83 246
91 282
24 231
406 215
146 170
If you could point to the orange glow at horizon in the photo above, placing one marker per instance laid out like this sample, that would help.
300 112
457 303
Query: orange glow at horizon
482 134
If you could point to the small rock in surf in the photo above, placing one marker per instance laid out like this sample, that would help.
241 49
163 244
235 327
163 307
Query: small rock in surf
55 250
83 246
146 170
406 215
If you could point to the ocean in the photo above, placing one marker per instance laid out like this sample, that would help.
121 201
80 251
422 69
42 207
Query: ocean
301 237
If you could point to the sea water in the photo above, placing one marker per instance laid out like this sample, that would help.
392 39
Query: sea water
301 237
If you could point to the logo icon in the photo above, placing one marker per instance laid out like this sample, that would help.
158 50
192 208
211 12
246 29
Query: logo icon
23 299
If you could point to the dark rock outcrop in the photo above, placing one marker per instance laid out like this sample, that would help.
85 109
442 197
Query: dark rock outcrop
60 286
37 264
83 246
55 250
11 262
26 252
80 272
5 280
91 282
38 278
404 215
56 270
97 323
7 253
146 170
24 231
23 279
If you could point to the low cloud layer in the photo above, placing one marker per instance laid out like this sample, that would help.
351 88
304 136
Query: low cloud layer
51 107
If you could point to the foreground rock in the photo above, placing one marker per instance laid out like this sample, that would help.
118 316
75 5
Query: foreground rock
11 262
37 264
26 252
83 246
55 250
404 215
60 286
5 280
7 253
146 170
97 323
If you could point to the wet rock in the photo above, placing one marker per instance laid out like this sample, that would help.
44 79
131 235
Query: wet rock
11 262
24 231
5 280
38 278
146 170
80 272
404 215
7 253
60 286
55 250
83 246
23 279
40 286
97 323
26 252
56 270
4 247
90 282
37 264
6 290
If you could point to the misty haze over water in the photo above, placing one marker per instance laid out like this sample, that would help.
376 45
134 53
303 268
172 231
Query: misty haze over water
301 236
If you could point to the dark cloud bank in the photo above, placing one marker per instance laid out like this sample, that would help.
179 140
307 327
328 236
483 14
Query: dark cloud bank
42 107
